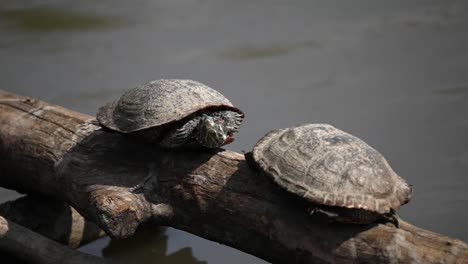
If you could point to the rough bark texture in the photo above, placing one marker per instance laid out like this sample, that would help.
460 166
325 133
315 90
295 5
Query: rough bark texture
216 195
34 248
51 218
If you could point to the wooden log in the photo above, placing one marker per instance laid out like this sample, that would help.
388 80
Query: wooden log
34 248
51 218
213 194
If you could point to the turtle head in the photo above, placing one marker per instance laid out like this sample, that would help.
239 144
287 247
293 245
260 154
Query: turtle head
212 133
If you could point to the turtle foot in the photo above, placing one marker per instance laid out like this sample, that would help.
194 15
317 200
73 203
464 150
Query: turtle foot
393 218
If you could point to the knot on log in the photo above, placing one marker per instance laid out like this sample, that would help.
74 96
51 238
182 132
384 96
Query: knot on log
120 211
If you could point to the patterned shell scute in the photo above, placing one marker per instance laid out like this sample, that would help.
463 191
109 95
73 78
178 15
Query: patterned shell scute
159 102
328 166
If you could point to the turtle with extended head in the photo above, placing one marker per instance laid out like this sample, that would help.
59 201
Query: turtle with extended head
339 174
173 113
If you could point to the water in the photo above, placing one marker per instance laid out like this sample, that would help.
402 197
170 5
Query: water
393 73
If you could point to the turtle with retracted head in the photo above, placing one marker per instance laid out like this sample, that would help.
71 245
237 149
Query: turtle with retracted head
173 113
339 174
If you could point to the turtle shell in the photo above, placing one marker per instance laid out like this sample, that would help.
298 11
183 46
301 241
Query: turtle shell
160 102
327 166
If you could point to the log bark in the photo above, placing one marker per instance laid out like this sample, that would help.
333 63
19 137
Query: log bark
34 248
51 218
213 194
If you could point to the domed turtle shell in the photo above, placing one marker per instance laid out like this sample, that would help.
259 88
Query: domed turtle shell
160 102
330 167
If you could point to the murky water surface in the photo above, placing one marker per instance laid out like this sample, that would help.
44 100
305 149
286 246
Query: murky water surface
394 73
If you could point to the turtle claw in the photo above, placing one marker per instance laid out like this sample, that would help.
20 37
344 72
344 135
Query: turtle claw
140 187
143 185
393 218
312 210
137 188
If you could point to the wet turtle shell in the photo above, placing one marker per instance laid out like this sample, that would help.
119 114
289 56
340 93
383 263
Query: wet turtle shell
161 103
329 167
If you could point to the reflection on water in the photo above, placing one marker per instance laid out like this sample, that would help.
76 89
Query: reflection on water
49 19
149 246
358 65
86 99
167 245
250 51
458 90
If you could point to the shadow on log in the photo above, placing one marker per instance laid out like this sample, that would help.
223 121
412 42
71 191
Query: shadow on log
216 195
51 218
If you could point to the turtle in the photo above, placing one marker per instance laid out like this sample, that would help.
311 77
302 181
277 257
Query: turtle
336 173
173 113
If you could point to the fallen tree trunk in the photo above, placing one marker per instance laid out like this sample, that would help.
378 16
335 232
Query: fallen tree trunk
34 248
51 218
216 195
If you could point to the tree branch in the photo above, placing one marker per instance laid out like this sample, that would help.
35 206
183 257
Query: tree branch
34 248
216 195
51 218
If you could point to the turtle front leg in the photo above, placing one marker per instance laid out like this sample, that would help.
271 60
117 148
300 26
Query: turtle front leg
348 215
329 214
151 179
180 136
